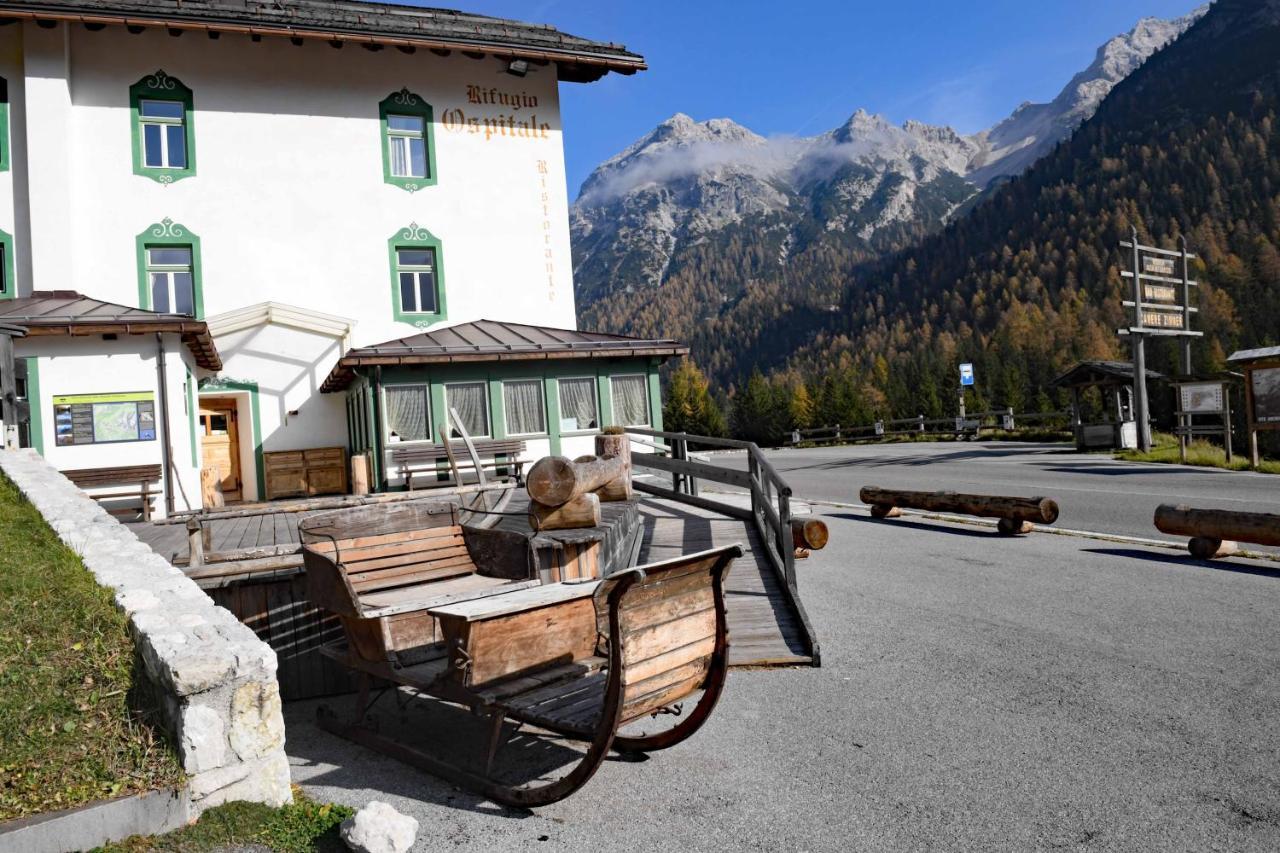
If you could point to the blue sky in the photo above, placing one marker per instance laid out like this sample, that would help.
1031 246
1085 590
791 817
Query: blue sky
804 67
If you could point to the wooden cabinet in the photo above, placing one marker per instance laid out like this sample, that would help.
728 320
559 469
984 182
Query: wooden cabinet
305 473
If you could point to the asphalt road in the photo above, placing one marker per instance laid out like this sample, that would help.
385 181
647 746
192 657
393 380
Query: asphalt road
977 693
1094 491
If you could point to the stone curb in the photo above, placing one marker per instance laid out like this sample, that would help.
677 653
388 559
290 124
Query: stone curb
95 824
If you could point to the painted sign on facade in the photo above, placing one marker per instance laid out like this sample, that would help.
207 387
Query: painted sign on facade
966 374
1266 395
104 418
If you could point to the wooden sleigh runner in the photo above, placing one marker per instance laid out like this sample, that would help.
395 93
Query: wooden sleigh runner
580 660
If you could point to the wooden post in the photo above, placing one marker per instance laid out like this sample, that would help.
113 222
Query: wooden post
359 474
784 546
1251 425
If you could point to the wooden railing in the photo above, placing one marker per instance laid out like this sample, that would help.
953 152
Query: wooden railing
770 509
970 424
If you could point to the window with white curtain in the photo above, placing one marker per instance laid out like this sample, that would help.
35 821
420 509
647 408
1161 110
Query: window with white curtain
170 272
407 142
630 400
526 414
471 401
407 413
578 409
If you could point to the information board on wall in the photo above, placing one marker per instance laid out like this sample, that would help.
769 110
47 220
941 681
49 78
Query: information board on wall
1201 398
104 418
1266 395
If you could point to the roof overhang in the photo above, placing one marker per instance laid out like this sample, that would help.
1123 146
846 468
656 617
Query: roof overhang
344 371
194 333
573 65
279 314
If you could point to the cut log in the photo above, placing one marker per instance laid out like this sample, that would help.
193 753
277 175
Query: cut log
617 489
1205 548
885 511
1014 527
808 532
211 489
1261 528
1037 510
582 511
615 446
556 480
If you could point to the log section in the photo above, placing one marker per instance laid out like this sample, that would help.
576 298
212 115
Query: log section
1214 532
582 511
809 533
556 480
1036 510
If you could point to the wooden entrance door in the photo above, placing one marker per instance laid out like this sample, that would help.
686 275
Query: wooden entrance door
221 444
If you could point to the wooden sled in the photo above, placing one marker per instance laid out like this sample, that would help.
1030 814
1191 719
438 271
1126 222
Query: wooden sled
581 660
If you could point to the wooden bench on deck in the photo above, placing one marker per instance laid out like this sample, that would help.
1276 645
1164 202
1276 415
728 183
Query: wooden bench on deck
580 660
426 459
380 568
139 479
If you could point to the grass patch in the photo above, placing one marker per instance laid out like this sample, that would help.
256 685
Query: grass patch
1164 448
303 826
67 732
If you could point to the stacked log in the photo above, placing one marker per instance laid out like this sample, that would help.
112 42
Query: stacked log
566 493
808 534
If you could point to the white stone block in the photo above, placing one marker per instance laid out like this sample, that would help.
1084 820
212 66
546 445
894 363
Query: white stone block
379 828
202 739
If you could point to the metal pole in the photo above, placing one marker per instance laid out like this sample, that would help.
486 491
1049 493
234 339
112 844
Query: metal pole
1139 356
1185 420
163 415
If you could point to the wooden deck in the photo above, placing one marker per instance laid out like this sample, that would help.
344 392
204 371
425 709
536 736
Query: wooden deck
762 629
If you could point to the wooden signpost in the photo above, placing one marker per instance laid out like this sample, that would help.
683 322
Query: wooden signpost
1161 303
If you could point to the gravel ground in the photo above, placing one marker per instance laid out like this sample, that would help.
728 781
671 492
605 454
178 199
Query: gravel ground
1045 692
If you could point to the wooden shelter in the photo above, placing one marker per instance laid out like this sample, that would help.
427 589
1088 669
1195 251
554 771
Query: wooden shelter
1114 380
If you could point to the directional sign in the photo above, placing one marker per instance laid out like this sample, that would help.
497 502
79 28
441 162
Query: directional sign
966 374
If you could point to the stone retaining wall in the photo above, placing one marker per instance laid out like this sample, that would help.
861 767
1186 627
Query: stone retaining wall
216 681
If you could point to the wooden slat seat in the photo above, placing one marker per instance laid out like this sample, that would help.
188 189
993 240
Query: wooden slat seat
380 570
425 459
137 478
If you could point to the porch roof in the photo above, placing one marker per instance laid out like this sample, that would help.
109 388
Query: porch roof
373 25
68 313
490 340
1088 373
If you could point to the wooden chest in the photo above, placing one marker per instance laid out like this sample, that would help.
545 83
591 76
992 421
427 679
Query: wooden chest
298 473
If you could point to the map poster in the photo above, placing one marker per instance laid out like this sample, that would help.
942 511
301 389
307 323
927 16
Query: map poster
1266 395
1201 397
104 418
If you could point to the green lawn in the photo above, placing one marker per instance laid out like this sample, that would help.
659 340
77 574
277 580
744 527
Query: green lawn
303 826
1164 448
67 734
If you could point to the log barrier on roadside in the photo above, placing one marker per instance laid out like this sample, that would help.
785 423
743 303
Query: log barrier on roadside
1016 515
1215 532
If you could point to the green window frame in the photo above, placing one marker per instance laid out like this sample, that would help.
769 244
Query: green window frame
168 234
8 284
144 98
5 154
397 113
411 240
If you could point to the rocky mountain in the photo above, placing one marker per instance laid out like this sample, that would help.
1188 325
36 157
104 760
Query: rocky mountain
868 186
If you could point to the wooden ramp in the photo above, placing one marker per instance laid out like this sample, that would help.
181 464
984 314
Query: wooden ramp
763 630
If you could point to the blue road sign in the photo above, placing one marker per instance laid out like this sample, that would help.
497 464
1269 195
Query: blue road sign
966 374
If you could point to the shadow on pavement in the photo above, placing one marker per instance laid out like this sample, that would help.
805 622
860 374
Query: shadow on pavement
916 461
1186 560
920 525
1111 469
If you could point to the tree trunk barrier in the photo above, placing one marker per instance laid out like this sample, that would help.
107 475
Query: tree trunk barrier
1016 515
1215 532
